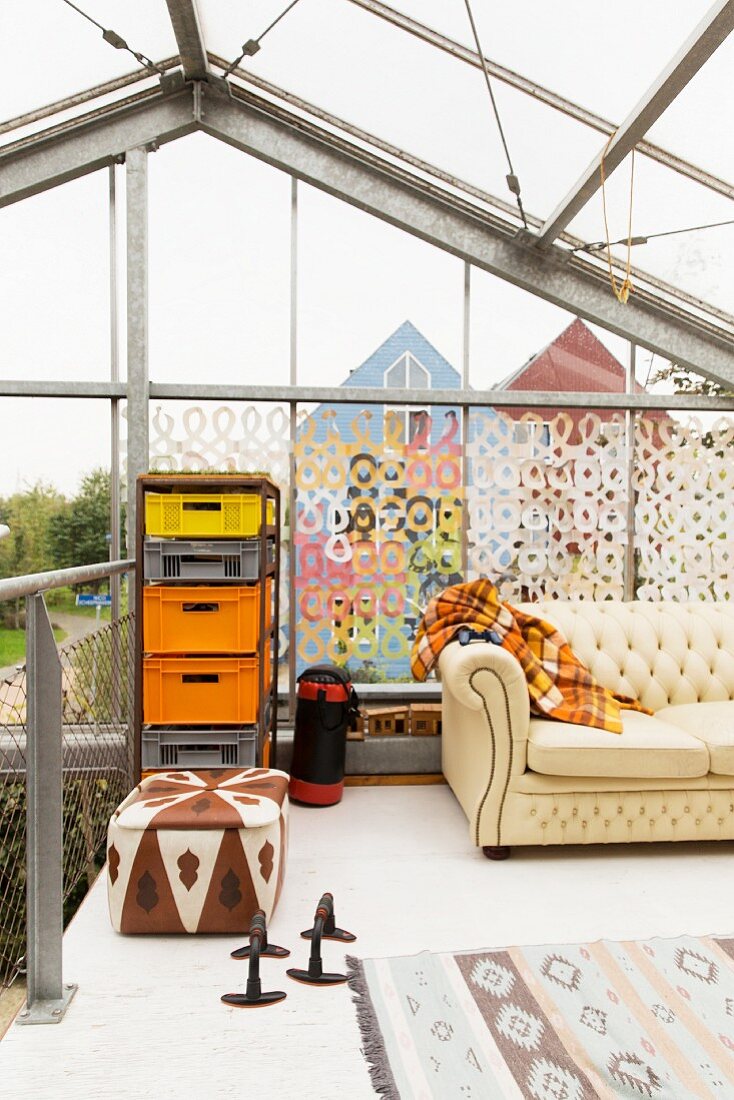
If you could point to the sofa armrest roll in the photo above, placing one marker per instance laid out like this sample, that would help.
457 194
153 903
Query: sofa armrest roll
485 723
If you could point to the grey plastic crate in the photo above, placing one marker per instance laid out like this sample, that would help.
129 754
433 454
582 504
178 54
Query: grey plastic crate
203 560
186 747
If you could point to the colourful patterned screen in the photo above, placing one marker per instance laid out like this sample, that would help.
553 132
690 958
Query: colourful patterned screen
378 531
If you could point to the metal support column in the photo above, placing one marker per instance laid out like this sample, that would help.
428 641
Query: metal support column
630 421
115 548
292 465
465 412
137 330
48 997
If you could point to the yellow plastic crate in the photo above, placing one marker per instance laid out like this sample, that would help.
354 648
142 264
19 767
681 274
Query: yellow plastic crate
200 515
201 691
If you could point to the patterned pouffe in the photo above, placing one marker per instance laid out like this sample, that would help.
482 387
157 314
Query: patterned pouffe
198 851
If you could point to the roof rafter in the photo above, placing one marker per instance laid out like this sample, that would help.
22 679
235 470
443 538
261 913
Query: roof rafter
713 29
93 141
187 29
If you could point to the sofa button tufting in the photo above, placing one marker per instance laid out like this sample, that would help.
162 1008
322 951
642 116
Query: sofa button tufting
642 811
543 824
574 811
563 824
619 809
554 810
721 821
686 809
533 813
629 824
583 824
607 824
664 809
674 821
698 820
708 809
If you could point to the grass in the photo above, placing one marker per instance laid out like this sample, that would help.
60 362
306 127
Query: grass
12 645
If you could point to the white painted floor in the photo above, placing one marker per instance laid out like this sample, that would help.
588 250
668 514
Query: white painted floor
147 1020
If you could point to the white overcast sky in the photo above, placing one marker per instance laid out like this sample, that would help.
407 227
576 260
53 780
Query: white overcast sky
220 221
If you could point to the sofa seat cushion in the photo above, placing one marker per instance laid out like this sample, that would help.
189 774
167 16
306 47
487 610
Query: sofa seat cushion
712 723
648 747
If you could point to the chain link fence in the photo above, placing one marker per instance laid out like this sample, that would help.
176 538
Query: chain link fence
97 686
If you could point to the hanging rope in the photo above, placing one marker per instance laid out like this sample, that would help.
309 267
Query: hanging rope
512 181
622 291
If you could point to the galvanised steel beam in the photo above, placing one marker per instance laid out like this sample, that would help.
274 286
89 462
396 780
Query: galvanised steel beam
538 92
357 176
190 41
25 387
362 395
93 141
48 996
365 395
713 29
136 180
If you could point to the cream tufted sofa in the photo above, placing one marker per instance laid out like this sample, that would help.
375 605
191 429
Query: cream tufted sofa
527 780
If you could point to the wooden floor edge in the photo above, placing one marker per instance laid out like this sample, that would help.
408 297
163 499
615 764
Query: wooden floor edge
392 780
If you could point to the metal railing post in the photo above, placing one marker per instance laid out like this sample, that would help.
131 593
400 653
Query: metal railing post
47 997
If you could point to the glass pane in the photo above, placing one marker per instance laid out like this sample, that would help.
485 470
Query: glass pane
51 440
54 283
547 500
219 266
364 285
684 502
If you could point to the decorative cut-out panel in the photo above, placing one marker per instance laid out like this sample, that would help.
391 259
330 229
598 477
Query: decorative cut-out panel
684 513
547 503
240 439
378 531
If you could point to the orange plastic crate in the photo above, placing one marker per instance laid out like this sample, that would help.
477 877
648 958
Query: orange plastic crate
203 619
201 691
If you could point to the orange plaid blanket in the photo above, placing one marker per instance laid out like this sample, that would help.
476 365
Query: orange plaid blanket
559 685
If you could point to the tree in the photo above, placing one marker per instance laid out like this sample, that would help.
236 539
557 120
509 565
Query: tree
27 549
78 533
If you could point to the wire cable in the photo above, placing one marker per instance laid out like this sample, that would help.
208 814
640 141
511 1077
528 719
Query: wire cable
512 181
252 45
643 238
116 40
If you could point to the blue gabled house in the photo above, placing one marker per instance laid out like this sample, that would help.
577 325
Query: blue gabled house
406 360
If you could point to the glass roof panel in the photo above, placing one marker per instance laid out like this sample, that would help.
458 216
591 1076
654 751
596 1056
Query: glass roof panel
701 263
601 58
49 51
697 125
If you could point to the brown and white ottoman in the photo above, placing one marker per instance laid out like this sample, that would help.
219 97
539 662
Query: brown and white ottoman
198 851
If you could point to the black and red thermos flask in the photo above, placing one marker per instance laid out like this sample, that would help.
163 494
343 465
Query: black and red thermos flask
326 704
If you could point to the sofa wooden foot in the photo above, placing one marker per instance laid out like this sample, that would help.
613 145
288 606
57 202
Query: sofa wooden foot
496 853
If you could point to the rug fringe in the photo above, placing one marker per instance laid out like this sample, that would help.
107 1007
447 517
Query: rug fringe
373 1045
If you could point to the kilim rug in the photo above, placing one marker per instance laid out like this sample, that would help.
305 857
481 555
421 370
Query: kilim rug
570 1022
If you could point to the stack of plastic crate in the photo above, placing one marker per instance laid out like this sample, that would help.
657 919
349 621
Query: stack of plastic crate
202 639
